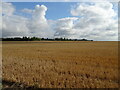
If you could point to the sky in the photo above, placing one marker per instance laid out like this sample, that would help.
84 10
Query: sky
56 10
75 20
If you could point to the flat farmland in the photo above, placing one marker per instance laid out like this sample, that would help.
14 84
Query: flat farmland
60 64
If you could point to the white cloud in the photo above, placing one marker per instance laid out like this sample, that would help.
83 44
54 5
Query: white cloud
102 10
39 26
26 10
12 25
92 21
7 8
64 27
39 14
96 21
15 25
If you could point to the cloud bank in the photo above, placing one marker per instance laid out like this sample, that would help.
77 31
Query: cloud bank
97 21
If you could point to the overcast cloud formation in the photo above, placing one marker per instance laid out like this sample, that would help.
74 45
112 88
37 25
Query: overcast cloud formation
97 21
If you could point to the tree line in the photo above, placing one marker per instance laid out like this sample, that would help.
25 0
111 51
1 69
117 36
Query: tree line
40 39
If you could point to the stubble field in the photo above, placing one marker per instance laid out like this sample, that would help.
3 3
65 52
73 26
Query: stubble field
48 64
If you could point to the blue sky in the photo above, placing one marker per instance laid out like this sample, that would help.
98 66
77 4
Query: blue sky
56 10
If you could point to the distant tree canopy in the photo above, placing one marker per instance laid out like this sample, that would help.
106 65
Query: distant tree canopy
22 39
40 39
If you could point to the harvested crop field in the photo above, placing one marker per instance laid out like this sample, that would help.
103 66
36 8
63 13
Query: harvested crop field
57 64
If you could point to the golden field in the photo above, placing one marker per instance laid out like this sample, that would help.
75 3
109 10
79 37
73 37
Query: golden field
57 64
